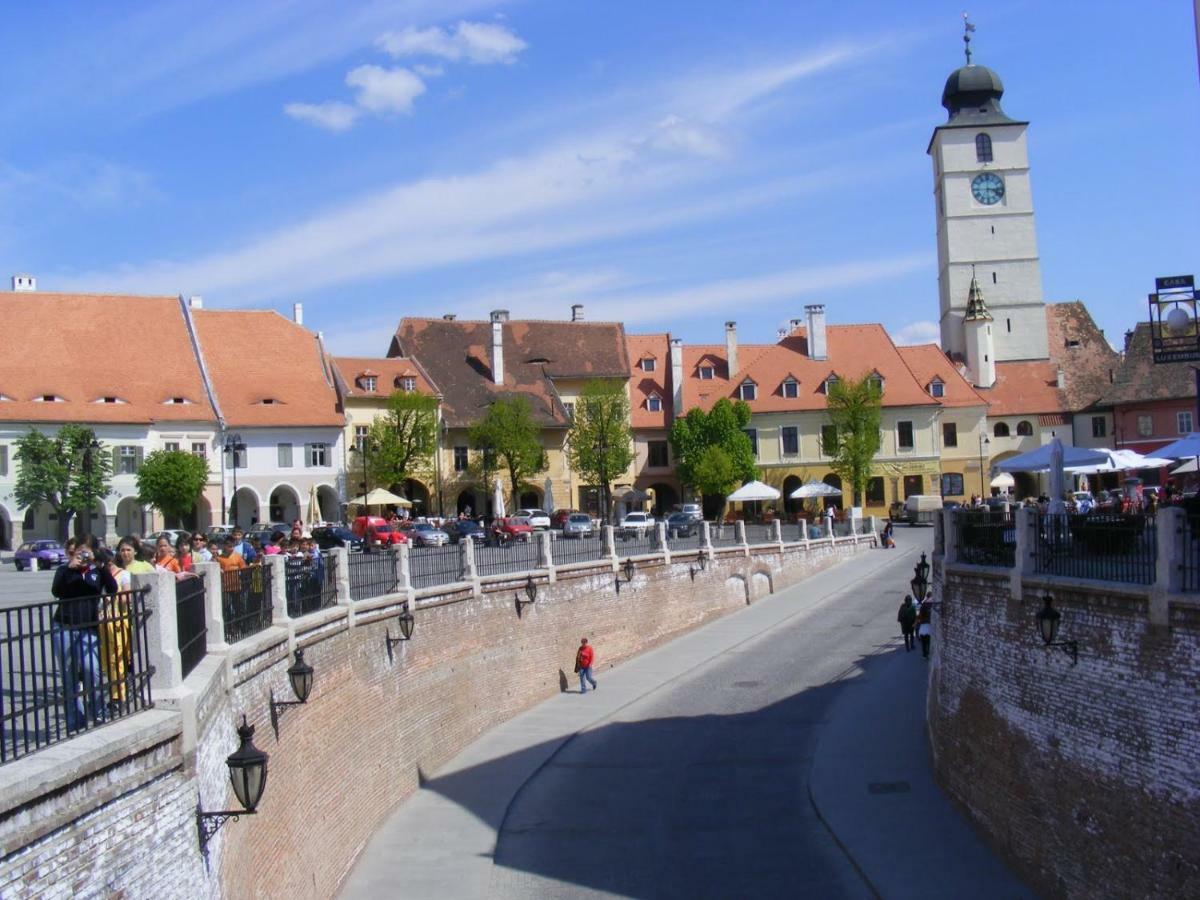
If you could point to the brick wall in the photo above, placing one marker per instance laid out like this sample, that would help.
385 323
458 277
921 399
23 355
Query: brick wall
123 824
1085 777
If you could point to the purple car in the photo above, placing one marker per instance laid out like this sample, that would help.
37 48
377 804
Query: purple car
43 554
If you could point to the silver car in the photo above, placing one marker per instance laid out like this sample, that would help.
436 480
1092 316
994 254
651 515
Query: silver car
423 534
578 525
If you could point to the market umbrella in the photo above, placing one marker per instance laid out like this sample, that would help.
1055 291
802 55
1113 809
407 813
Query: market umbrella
814 489
548 501
1122 461
1039 460
1186 447
379 497
1003 480
313 514
755 490
1057 478
498 501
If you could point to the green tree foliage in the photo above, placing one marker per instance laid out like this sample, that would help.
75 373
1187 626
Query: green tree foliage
70 471
404 439
721 427
854 409
513 439
171 481
600 444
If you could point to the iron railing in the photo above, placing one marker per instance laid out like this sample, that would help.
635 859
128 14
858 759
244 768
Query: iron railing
373 575
1101 546
724 535
565 551
758 533
1190 566
246 601
69 666
684 539
514 556
435 565
635 543
310 584
191 623
986 537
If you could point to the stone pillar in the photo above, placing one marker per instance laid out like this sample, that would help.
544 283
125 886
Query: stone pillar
777 527
400 556
340 557
873 525
827 527
470 571
162 635
279 611
1169 527
546 555
740 530
660 528
214 607
946 536
706 540
610 543
1024 562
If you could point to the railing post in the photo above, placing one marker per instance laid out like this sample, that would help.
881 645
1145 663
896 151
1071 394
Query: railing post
214 607
1168 576
469 570
400 556
660 529
946 536
706 540
610 545
740 530
547 555
162 632
279 610
777 527
828 527
1024 522
341 583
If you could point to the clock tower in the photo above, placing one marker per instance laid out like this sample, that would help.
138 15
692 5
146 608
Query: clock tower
985 226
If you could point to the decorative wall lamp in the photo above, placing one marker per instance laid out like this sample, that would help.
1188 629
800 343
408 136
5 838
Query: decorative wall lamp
701 562
920 582
628 570
1049 619
300 674
407 623
248 773
531 592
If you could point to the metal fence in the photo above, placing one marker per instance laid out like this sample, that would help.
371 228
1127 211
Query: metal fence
681 540
724 535
986 537
435 565
70 666
246 601
372 575
515 556
191 623
565 551
1104 546
757 533
1190 566
310 584
634 544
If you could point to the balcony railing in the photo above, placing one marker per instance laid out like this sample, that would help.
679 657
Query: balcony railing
757 533
373 575
246 601
435 565
191 623
986 537
514 556
565 551
310 584
1102 546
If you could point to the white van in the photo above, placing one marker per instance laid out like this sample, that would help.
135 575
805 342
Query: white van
919 509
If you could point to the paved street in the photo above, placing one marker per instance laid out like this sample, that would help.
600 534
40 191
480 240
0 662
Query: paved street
779 751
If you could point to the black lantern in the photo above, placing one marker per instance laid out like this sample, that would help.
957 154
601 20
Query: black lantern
300 674
701 563
531 592
407 623
628 570
248 774
920 581
1049 619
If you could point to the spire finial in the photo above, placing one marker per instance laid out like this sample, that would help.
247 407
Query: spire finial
968 27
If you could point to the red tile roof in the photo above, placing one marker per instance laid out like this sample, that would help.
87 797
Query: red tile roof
927 362
388 374
643 384
266 370
85 347
1024 388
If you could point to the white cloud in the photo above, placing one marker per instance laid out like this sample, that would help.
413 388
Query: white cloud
674 134
923 332
429 70
385 90
475 42
333 116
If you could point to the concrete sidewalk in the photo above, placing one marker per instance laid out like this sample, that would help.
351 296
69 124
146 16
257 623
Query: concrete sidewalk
872 784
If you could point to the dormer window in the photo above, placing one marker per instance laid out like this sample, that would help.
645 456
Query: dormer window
408 384
830 381
983 148
748 390
268 401
4 397
177 401
367 383
876 381
109 399
707 373
791 388
48 398
937 388
654 403
647 363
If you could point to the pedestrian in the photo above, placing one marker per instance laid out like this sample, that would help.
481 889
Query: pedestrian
907 617
78 585
925 624
889 542
583 665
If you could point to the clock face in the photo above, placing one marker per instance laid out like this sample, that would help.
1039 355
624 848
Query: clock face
987 188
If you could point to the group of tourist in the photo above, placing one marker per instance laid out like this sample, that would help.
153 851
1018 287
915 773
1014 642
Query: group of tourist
916 622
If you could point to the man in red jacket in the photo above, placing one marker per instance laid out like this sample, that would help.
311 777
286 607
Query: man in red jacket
583 665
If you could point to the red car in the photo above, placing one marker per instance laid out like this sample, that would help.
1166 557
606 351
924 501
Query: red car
559 518
378 531
514 528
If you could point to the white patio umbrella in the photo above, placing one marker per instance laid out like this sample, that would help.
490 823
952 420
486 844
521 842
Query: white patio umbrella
379 497
1122 461
498 500
1003 480
814 489
755 490
1057 477
548 497
312 515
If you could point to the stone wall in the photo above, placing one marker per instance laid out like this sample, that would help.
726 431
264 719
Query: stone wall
376 721
1084 776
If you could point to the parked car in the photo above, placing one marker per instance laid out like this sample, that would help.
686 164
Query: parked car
171 534
896 511
636 525
578 525
43 554
694 510
216 534
330 536
424 534
514 528
681 524
538 519
920 509
559 517
457 529
377 531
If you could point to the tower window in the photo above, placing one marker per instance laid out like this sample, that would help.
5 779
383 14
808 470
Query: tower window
983 148
1008 325
993 278
993 229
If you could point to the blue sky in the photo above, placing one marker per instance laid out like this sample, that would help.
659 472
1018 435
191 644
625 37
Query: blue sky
668 164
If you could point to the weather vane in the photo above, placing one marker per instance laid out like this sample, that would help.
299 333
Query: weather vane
967 29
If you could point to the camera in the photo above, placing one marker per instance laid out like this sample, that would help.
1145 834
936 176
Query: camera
84 556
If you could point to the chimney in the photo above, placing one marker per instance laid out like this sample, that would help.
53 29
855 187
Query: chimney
196 302
731 347
298 313
814 313
24 283
449 317
499 317
1060 380
793 324
576 312
677 375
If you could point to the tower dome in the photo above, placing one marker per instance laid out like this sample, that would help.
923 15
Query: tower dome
973 93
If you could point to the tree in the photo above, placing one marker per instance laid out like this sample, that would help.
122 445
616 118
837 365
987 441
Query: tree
600 443
721 427
70 472
854 410
404 439
171 481
509 435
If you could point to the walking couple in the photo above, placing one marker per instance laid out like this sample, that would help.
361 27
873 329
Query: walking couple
916 618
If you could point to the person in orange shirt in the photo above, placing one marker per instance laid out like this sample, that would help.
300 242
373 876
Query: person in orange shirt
584 658
230 559
164 556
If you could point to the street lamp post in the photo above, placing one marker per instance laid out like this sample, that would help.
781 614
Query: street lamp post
363 449
89 448
983 443
233 446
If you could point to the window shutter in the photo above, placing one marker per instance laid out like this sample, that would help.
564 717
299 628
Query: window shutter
116 459
139 452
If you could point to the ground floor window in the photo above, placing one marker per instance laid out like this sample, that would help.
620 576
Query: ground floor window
913 484
952 484
875 492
